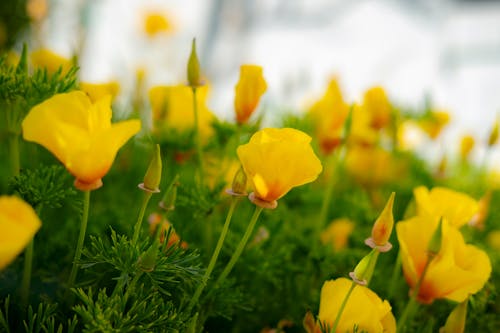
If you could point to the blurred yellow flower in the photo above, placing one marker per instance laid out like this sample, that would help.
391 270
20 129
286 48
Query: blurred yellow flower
361 132
158 221
328 115
466 145
493 137
337 233
156 23
18 225
45 58
376 103
483 211
493 240
79 134
248 91
434 122
457 270
456 207
364 308
36 9
172 108
276 160
96 91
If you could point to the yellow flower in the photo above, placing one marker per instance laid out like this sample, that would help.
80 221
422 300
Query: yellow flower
172 108
276 160
493 137
466 144
96 91
250 87
361 132
364 308
79 134
457 270
483 211
45 58
337 233
434 122
156 23
329 115
458 208
18 225
377 105
36 9
493 240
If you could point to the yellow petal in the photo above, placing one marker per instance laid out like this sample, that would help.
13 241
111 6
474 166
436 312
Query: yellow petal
18 225
45 58
248 91
377 105
337 233
97 91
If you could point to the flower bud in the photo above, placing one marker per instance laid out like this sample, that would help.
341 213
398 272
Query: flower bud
147 261
153 174
456 320
239 186
168 200
382 228
436 240
466 145
493 138
363 271
193 67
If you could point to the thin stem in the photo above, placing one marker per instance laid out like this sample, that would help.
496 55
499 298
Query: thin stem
395 276
342 307
215 255
240 247
28 264
323 215
81 238
197 133
14 154
137 227
412 304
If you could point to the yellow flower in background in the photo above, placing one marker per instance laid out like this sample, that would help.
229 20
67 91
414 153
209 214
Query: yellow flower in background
434 122
18 225
456 207
96 91
45 58
276 160
248 91
364 308
376 103
466 145
172 108
79 134
457 270
409 135
337 233
493 137
361 132
328 115
493 240
156 23
483 211
37 9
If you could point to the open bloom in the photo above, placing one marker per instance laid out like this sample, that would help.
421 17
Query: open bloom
45 58
364 308
456 271
276 160
249 89
18 224
96 91
79 134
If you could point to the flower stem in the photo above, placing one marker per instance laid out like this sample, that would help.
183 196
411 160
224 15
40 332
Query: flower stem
14 154
241 246
81 238
215 255
197 133
28 264
323 215
395 276
137 227
342 307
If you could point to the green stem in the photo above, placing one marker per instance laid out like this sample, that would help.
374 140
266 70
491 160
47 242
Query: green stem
342 307
215 255
240 247
14 154
412 304
323 215
81 238
137 227
28 264
197 134
395 276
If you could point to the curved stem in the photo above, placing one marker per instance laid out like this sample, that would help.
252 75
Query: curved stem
81 238
197 133
342 307
137 227
241 246
215 255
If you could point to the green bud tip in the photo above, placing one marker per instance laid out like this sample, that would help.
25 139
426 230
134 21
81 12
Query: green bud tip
193 67
363 271
153 174
436 240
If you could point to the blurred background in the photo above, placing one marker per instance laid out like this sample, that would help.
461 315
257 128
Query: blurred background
444 51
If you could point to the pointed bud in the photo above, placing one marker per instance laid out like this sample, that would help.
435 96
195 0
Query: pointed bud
363 271
193 67
456 320
382 228
436 240
168 200
493 138
153 174
147 261
239 186
22 66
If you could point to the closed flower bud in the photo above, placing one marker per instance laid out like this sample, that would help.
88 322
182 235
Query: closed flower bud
363 271
168 200
382 228
436 240
153 174
493 138
193 67
456 320
147 261
239 186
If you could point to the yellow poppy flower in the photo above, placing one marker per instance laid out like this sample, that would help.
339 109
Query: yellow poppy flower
172 108
96 91
45 58
376 102
457 270
156 23
337 233
328 115
434 123
250 87
466 144
361 132
276 160
364 308
79 134
18 225
458 208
